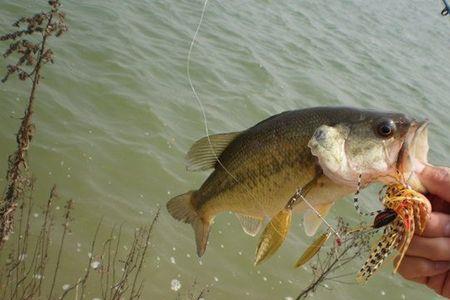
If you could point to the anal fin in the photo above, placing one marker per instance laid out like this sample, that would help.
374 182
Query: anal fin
250 225
311 221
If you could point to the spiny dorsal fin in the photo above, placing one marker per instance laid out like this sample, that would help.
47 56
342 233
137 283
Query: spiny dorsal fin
311 221
204 152
250 225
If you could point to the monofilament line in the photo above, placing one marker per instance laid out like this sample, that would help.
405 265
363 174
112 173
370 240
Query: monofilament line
199 102
320 216
188 71
205 121
194 91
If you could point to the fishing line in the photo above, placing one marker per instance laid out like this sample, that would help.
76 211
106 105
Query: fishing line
197 98
202 108
205 123
188 71
320 216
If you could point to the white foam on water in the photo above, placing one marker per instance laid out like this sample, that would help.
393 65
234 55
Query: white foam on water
175 285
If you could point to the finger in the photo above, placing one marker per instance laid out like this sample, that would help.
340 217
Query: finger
437 226
421 280
446 287
417 267
436 180
437 282
436 249
438 204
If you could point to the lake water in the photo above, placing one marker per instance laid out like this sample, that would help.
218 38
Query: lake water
115 116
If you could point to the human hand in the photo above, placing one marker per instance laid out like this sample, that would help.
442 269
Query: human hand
427 259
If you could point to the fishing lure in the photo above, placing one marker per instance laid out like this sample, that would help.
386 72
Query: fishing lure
384 218
356 200
405 211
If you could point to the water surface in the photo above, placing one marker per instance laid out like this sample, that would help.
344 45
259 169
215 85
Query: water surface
115 116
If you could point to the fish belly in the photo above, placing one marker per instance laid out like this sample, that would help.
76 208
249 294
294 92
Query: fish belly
266 196
262 168
270 197
324 192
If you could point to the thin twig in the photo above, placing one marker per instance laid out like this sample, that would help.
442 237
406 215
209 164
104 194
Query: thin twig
18 180
69 207
83 280
144 251
352 247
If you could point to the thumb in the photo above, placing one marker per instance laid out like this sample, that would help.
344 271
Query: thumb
436 180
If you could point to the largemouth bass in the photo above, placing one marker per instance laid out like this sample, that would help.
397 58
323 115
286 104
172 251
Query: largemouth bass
256 171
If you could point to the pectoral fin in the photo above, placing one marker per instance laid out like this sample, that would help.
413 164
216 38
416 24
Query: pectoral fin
311 221
250 225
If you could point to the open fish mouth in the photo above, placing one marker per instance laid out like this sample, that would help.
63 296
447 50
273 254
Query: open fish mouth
414 153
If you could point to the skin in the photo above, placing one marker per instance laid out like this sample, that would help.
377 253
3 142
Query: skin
427 260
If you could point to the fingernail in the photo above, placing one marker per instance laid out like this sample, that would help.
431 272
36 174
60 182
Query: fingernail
441 265
447 230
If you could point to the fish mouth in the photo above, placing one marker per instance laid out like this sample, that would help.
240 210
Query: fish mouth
414 153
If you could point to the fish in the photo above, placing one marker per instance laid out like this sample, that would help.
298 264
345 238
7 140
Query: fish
256 171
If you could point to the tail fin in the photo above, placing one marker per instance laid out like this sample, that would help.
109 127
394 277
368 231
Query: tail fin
181 208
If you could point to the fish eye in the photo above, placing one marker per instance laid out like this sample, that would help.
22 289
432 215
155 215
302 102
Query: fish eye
386 129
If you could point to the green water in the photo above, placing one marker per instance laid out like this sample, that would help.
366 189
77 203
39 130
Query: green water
115 116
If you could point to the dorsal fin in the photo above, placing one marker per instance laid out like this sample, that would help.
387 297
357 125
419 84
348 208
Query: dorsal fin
204 152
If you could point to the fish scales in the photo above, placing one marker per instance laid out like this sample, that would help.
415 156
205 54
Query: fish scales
277 145
279 165
260 168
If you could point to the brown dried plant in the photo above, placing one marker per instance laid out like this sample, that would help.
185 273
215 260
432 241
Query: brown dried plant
31 58
107 265
25 261
331 267
21 276
194 292
26 273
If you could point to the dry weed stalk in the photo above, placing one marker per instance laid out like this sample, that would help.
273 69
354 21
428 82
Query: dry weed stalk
351 247
25 261
193 294
31 58
129 284
25 273
22 275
